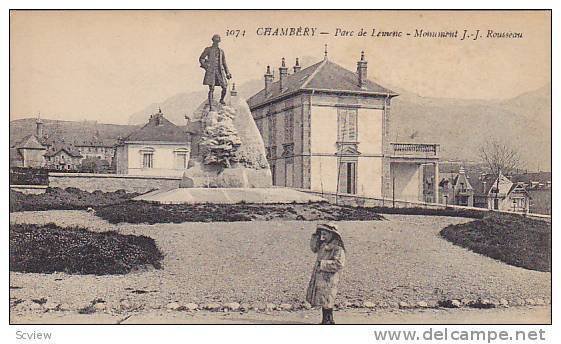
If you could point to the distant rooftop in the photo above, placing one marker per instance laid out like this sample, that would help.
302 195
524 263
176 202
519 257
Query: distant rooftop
159 128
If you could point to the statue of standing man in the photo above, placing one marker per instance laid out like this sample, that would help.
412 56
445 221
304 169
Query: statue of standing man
213 61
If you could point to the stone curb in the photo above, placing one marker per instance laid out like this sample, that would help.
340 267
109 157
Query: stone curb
99 305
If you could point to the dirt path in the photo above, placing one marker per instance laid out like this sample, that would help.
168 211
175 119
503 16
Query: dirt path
399 259
513 315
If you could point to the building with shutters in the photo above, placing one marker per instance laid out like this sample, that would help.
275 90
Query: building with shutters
326 128
159 148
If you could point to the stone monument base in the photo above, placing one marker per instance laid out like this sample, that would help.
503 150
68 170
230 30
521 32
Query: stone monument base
201 176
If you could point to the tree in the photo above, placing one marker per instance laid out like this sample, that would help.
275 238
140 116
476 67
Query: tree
500 157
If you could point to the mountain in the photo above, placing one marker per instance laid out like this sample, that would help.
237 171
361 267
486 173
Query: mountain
462 126
176 107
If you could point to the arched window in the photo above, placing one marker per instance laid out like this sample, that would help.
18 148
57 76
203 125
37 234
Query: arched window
147 157
181 158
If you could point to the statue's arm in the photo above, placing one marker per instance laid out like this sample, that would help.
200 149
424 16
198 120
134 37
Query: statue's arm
203 57
225 65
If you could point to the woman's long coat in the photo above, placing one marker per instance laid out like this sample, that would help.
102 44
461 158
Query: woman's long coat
325 277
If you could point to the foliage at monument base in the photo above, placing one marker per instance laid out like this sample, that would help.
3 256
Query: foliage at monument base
220 141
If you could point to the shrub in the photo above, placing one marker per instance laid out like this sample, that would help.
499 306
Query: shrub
50 248
149 212
452 212
28 176
69 198
513 239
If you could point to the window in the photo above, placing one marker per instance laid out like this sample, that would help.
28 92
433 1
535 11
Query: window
288 127
147 157
147 160
347 125
181 158
347 177
272 130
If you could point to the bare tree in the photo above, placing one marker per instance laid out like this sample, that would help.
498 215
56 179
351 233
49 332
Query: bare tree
500 157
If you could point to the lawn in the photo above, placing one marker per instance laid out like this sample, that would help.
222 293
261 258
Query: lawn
513 239
49 248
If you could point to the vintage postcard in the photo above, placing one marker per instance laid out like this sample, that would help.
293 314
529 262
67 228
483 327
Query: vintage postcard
280 167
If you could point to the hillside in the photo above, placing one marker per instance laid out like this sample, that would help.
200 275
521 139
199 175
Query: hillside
176 107
461 126
69 130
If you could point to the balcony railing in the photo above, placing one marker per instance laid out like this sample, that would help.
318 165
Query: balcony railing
415 149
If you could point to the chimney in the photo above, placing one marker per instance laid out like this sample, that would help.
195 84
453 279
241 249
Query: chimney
297 67
187 123
361 71
39 128
269 78
158 117
283 72
484 186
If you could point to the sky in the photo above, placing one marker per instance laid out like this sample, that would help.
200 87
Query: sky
106 65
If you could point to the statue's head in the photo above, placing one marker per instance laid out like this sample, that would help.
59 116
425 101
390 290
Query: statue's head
216 39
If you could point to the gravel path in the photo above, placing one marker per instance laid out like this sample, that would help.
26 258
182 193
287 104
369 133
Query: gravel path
401 259
513 315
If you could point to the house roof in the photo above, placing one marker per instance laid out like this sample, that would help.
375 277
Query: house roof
15 157
61 146
483 183
455 178
540 177
30 142
480 183
159 128
323 76
95 141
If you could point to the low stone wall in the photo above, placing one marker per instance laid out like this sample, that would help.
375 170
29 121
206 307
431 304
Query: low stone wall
29 189
362 201
112 182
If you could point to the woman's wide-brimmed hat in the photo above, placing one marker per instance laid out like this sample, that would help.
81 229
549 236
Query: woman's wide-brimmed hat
330 227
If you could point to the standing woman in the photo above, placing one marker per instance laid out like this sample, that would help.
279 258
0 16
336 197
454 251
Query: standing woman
327 242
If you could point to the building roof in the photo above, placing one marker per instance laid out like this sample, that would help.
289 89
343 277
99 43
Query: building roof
483 183
323 76
58 147
94 141
30 142
15 157
159 128
528 178
479 183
